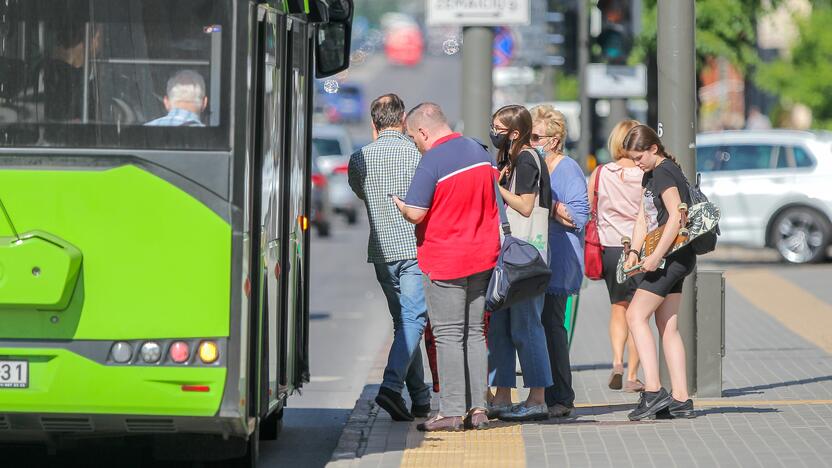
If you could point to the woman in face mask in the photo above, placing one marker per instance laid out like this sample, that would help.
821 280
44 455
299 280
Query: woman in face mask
570 212
523 185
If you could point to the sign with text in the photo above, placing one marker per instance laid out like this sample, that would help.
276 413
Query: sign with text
477 12
615 81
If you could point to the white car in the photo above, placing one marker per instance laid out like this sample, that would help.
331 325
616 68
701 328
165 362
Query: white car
774 188
334 147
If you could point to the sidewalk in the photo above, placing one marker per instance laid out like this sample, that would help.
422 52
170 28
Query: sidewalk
776 408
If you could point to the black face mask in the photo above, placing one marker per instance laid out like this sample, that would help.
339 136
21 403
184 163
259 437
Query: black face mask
498 139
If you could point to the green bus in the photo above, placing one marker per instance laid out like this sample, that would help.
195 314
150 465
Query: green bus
155 198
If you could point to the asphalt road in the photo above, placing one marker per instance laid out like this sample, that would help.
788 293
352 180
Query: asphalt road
349 325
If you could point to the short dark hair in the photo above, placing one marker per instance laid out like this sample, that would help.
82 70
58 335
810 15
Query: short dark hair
387 111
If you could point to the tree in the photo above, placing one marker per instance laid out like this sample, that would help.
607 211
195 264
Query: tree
803 76
724 28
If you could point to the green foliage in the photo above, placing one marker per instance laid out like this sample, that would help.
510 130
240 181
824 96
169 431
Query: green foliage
724 28
566 87
803 76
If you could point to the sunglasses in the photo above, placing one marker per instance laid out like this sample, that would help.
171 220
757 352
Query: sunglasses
535 137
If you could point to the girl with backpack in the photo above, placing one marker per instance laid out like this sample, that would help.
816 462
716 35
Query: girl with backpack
660 289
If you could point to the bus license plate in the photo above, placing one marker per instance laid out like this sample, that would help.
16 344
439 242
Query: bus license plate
14 374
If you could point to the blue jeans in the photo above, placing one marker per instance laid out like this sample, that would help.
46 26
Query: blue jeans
519 329
402 285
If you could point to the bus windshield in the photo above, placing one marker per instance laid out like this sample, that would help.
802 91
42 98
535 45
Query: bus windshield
145 74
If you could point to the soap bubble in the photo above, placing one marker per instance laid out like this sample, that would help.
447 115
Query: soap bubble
358 57
375 38
331 86
450 46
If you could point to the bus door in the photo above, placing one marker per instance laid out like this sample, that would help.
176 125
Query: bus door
272 110
297 174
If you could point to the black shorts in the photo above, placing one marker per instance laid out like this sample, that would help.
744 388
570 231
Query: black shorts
669 280
622 292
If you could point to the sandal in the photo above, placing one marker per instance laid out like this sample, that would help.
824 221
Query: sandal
616 377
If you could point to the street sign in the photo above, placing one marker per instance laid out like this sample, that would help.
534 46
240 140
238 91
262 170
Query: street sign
477 12
615 81
503 47
513 76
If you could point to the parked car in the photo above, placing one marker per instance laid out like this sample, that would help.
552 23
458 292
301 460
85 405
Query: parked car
331 140
404 43
346 105
333 145
320 216
772 187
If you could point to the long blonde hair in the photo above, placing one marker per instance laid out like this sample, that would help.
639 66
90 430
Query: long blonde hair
615 142
554 122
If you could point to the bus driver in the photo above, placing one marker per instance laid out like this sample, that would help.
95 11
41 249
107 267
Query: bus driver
184 101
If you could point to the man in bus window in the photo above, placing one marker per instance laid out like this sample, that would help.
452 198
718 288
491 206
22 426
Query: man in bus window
63 73
184 101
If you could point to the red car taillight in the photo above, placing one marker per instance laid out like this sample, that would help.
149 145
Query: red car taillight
318 180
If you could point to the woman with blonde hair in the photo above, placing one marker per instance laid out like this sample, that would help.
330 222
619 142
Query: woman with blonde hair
569 214
619 199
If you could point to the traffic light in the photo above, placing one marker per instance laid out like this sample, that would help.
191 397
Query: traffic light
558 19
616 38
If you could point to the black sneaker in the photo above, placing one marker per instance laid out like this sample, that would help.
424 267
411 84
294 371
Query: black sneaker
649 404
677 409
420 411
393 403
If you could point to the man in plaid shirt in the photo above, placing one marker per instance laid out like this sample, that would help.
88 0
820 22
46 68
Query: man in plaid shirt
382 168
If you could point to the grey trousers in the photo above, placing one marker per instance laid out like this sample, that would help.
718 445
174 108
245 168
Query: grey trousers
456 309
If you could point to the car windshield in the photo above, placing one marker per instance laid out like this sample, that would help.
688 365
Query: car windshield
102 74
327 146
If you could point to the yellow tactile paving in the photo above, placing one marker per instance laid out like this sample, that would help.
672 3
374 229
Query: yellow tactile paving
797 309
500 446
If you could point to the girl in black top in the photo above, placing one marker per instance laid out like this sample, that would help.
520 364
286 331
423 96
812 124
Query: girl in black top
660 289
518 330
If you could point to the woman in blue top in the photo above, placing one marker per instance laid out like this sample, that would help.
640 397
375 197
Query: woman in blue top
570 212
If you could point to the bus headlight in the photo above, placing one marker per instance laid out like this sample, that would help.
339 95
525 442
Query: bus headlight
151 352
121 352
208 352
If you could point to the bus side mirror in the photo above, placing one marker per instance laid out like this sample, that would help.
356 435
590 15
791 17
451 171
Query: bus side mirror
332 44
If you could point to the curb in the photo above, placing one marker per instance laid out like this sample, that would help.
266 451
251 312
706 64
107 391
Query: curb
353 441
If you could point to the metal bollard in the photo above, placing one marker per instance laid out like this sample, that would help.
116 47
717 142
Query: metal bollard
710 332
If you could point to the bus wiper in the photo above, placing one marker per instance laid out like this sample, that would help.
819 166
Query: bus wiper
9 220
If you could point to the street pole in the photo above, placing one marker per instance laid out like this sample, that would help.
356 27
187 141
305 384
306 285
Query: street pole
476 81
677 129
583 61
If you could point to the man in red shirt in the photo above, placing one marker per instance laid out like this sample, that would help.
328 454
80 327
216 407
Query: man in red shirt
451 201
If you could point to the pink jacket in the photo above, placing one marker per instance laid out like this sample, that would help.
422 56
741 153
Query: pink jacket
619 199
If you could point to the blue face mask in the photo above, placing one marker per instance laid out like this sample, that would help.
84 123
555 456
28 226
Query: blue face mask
540 150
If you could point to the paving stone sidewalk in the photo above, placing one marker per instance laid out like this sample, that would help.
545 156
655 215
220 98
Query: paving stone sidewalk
776 410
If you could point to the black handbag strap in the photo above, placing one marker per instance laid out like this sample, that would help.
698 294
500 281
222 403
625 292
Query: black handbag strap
502 209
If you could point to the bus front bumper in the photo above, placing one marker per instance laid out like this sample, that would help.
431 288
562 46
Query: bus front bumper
67 392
